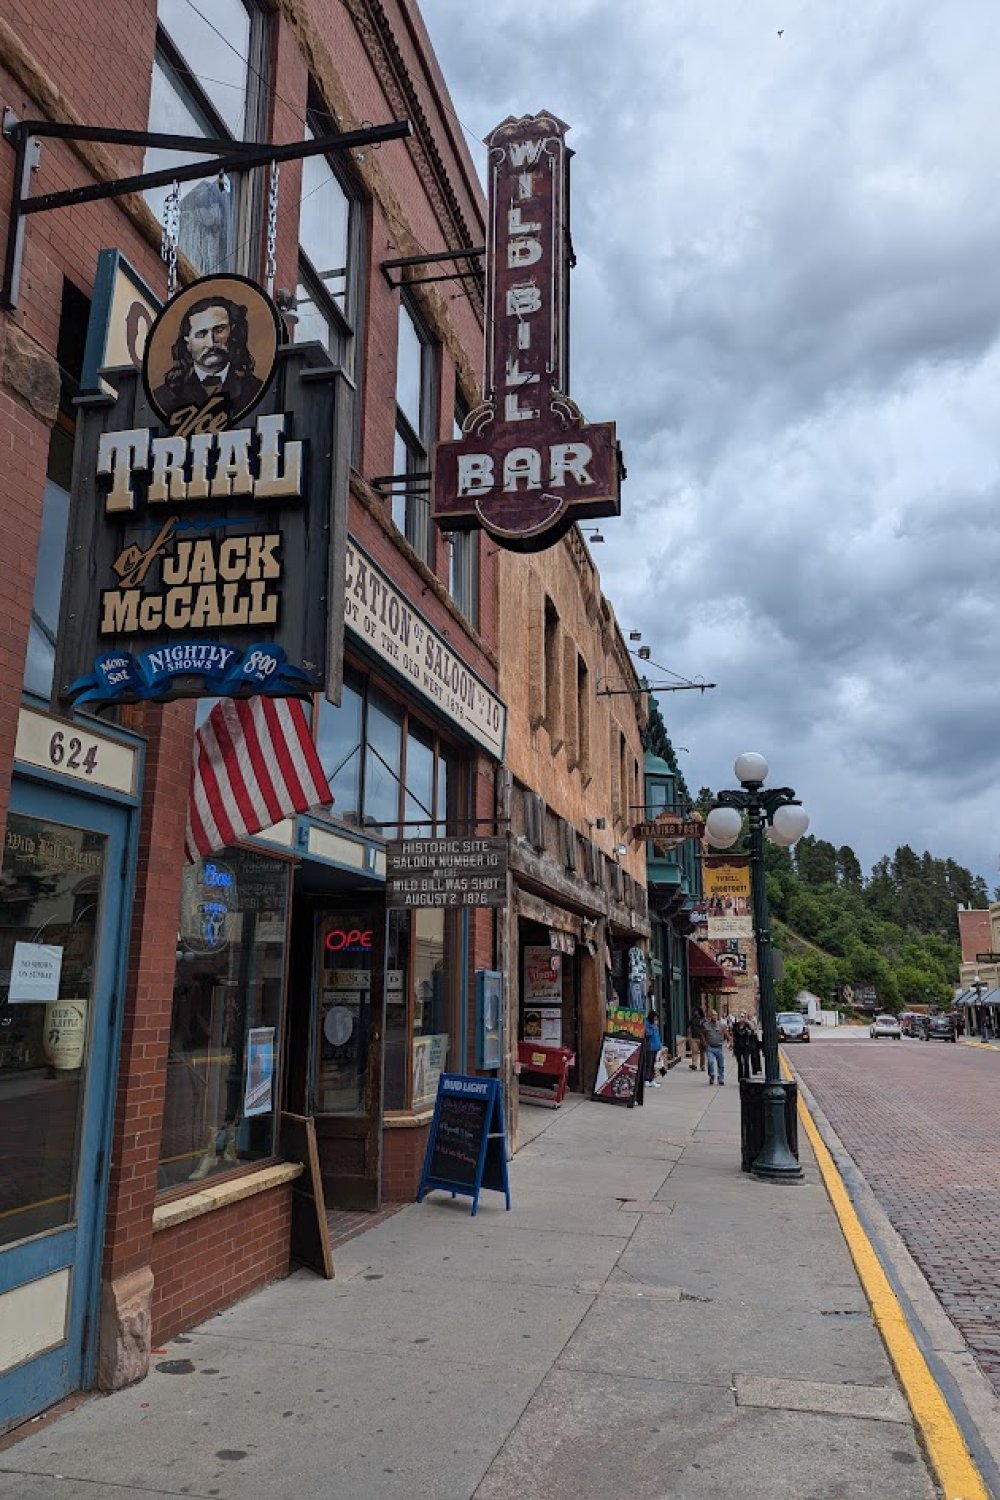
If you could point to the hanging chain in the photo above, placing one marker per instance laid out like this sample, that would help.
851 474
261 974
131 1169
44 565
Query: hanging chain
272 228
171 231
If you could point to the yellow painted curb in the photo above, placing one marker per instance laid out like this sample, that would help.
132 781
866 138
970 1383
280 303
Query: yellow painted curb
950 1458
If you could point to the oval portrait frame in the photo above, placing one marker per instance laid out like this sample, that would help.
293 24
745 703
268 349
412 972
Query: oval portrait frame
253 375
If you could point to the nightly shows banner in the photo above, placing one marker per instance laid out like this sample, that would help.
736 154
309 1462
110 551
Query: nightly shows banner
205 553
527 466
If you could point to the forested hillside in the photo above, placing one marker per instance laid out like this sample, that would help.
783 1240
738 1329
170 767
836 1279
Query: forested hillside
897 930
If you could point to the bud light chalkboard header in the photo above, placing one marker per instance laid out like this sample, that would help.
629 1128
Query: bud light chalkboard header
467 1145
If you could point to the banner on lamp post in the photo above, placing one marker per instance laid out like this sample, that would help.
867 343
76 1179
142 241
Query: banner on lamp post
727 895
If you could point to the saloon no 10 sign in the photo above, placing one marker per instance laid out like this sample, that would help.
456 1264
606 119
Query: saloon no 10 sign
207 528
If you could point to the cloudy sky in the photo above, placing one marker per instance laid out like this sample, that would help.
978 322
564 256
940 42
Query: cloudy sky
788 297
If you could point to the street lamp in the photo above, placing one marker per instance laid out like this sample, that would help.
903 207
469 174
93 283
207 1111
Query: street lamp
779 811
979 986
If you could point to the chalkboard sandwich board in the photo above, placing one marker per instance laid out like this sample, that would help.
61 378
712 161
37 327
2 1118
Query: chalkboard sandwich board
467 1144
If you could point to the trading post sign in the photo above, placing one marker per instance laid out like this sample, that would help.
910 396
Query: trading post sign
207 528
527 465
668 830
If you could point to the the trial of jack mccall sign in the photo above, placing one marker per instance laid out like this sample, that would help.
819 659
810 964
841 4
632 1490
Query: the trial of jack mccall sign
208 517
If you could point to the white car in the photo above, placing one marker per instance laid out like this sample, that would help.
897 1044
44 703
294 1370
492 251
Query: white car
886 1026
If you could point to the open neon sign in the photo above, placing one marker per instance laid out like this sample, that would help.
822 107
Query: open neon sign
348 940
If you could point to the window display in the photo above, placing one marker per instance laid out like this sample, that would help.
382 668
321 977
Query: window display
221 1090
51 889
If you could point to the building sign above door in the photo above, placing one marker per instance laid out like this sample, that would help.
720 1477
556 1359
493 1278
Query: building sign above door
387 625
668 830
527 465
446 872
202 560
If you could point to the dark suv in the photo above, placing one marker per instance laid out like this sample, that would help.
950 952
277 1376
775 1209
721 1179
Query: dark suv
940 1028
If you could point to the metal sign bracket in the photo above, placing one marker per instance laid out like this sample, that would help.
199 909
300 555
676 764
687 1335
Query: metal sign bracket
231 156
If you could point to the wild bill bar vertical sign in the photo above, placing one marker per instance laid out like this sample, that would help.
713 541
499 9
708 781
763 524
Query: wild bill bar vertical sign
208 518
527 465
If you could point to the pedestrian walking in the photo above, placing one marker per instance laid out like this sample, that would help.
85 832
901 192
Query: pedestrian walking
714 1039
696 1043
653 1042
756 1052
741 1046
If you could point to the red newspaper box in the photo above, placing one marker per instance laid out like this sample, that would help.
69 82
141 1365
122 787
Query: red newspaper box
544 1071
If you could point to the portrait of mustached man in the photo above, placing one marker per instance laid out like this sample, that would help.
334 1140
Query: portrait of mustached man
211 359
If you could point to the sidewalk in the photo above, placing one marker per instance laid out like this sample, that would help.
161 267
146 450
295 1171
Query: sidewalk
646 1322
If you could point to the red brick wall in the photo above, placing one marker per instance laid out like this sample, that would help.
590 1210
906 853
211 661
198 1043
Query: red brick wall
975 932
24 447
149 993
207 1263
402 1160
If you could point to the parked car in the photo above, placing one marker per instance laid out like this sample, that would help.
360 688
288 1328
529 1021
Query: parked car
792 1027
886 1026
940 1028
909 1022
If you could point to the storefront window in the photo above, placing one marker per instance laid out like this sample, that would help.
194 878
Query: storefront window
419 800
50 897
382 765
221 1092
339 740
397 968
430 1003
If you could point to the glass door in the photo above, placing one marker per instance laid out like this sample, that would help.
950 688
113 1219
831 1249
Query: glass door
60 952
347 1068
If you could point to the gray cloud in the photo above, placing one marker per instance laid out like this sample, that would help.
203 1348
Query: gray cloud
787 297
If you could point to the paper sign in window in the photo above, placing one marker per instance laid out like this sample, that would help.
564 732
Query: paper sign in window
34 974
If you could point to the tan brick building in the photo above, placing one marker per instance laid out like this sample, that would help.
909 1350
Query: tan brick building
574 760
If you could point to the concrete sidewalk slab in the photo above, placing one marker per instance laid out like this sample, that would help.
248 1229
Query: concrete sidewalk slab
435 1313
700 1341
592 1341
650 1440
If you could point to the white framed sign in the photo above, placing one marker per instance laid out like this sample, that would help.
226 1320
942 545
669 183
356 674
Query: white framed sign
387 625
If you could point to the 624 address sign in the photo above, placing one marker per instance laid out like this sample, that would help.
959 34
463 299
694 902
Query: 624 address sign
70 752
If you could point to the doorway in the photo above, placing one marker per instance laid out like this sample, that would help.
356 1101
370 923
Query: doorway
62 909
337 1040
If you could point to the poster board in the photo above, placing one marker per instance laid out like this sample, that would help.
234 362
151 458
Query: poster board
467 1142
310 1232
727 895
619 1071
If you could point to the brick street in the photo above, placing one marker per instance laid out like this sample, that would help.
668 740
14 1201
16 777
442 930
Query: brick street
919 1119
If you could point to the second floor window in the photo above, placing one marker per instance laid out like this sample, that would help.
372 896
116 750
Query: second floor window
415 365
206 83
329 226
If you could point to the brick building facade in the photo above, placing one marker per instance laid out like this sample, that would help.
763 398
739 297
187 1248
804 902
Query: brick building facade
137 1192
578 923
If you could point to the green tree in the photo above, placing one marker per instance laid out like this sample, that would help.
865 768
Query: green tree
848 868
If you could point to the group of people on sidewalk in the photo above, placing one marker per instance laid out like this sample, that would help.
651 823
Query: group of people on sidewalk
708 1038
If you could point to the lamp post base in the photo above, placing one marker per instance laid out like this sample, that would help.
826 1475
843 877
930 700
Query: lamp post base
775 1162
